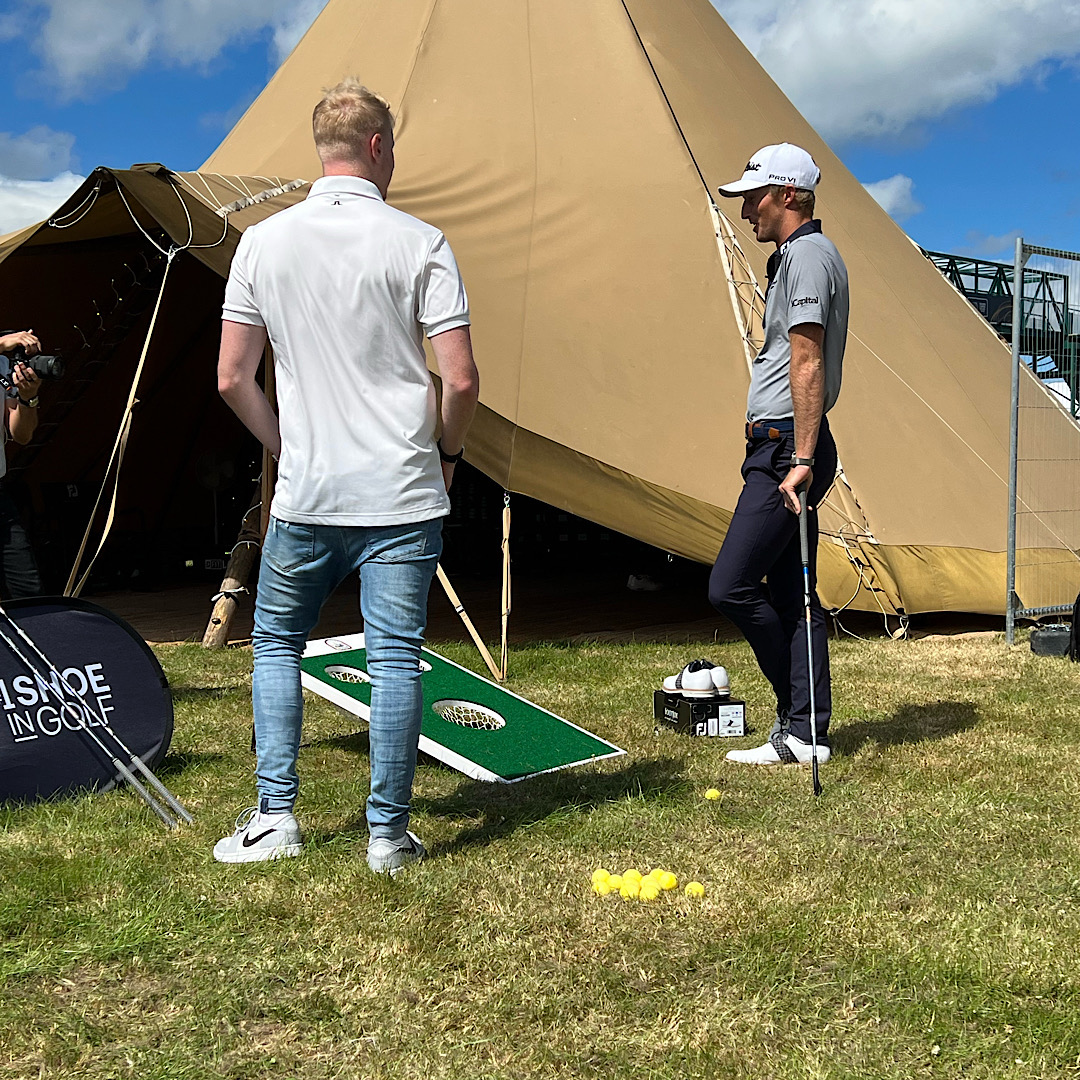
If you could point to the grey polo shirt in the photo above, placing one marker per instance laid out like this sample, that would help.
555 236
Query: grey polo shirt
809 285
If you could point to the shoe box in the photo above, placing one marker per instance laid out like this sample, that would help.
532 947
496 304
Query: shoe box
715 716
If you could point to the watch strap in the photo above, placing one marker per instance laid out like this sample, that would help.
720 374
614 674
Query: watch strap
450 459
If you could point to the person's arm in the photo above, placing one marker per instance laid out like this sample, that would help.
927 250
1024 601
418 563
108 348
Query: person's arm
460 390
22 417
808 402
242 346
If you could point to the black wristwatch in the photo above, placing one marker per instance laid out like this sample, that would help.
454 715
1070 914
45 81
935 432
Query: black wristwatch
450 459
808 461
32 403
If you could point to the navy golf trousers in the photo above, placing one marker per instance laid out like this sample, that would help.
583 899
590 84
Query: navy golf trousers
762 542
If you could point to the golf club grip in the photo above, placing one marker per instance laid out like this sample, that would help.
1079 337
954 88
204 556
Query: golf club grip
804 544
145 795
175 804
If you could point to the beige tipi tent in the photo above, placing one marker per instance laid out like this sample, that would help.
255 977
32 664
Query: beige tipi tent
568 149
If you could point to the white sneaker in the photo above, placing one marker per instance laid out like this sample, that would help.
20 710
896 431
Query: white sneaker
392 856
781 749
259 837
700 678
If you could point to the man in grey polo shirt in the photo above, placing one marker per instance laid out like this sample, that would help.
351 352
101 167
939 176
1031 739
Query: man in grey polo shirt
794 383
345 287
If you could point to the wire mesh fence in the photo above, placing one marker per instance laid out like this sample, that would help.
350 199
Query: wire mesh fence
1043 562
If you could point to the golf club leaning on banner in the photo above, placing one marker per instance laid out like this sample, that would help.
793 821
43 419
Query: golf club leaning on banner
804 545
68 706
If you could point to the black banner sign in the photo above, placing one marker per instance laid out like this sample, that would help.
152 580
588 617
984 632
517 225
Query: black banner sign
43 752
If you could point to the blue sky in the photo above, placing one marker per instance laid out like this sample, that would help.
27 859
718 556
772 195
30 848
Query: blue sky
961 119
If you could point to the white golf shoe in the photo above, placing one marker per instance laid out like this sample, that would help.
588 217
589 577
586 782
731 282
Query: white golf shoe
700 678
392 856
259 837
781 749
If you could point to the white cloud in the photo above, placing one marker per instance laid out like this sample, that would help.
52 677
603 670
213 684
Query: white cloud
997 248
39 153
24 202
859 68
294 25
88 46
896 196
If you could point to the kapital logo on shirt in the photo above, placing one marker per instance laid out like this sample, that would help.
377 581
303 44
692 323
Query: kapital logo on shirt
805 300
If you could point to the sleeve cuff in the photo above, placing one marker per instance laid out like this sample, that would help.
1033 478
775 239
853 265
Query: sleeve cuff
446 324
247 317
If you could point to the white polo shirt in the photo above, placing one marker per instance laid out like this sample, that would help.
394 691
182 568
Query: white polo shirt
346 287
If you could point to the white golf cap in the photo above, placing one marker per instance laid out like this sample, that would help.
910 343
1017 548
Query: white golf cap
781 163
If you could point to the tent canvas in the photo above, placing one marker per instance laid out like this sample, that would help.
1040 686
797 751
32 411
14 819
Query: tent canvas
568 150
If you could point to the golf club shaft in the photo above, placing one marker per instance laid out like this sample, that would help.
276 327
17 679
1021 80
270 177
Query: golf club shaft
135 760
804 546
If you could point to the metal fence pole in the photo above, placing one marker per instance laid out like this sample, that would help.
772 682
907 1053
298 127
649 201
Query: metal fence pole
1014 426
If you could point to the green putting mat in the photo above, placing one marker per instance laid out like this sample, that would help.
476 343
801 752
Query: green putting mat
469 723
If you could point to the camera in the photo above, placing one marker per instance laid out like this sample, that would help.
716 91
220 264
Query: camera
45 367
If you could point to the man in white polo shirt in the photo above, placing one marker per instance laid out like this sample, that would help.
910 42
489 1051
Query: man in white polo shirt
345 287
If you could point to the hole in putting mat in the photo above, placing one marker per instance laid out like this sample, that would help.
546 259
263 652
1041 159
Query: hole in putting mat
344 673
468 714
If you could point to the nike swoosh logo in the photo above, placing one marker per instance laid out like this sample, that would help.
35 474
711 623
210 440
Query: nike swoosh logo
250 841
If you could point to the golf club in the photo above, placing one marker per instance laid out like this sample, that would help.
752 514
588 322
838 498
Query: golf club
804 545
69 707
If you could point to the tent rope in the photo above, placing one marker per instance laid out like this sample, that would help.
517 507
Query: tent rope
119 447
88 203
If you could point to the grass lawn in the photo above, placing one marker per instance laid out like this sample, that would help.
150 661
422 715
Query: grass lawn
922 918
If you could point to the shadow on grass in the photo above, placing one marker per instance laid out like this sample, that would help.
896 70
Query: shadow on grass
184 694
909 724
497 810
183 761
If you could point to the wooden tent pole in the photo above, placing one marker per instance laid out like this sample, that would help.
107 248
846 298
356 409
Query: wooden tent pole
249 542
505 656
452 596
241 560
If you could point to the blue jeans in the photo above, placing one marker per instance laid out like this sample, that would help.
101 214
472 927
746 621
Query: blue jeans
301 566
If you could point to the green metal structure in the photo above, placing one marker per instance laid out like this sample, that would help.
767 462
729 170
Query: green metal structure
1050 335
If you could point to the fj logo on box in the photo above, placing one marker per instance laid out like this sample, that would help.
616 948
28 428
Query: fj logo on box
34 707
804 300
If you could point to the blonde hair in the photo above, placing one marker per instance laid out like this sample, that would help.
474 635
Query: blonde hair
804 200
348 115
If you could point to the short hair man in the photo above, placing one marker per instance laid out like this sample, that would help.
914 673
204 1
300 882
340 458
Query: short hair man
794 383
345 287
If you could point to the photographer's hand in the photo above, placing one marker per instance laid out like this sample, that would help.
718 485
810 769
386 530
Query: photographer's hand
27 382
25 338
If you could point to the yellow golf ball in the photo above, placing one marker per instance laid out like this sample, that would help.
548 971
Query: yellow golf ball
695 889
713 794
649 891
631 875
615 882
600 875
602 887
654 875
629 890
668 881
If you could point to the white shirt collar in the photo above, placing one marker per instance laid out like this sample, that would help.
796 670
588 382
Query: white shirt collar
349 185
